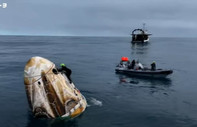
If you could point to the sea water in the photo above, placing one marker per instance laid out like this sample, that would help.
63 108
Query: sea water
113 100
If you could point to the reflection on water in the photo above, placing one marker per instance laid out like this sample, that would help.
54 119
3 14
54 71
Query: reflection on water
34 122
136 45
124 80
152 85
139 49
44 122
150 81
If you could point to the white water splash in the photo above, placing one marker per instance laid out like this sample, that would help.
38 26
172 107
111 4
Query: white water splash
96 102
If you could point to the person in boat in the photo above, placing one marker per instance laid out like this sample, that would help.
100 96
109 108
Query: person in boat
132 65
128 63
138 66
153 66
66 71
124 64
121 64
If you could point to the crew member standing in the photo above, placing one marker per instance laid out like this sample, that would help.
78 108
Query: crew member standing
153 66
66 71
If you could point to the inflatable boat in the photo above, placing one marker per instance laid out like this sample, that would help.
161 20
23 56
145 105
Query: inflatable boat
158 73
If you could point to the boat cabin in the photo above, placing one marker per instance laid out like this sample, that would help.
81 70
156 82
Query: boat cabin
139 35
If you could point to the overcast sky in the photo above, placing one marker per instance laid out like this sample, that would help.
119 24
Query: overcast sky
174 18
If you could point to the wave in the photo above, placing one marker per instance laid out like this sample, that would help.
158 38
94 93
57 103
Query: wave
94 101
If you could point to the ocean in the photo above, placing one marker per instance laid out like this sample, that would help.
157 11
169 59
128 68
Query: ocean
112 100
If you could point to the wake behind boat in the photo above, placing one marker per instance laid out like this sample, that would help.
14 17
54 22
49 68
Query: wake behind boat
124 68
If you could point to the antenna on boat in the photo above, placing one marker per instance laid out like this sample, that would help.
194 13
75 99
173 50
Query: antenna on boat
144 28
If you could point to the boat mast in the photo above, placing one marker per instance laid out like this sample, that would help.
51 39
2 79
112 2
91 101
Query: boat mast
144 28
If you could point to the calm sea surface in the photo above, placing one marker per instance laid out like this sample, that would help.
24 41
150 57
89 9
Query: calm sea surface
169 102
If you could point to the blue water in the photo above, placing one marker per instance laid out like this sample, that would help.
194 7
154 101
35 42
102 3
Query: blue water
169 102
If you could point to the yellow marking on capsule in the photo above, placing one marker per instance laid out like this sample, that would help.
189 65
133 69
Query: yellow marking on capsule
26 81
77 112
30 63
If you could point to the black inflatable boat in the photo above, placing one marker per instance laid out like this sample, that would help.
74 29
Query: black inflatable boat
158 73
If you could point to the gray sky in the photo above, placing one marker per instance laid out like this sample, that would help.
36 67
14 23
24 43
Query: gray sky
174 18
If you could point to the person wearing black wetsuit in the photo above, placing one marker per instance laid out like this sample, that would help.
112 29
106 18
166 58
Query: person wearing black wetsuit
132 65
153 66
66 71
